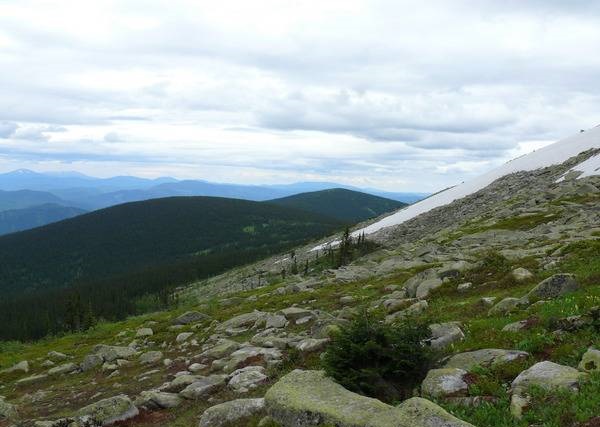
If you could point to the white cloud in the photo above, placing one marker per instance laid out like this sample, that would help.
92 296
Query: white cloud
403 95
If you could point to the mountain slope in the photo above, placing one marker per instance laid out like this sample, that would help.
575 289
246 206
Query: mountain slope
142 234
35 216
345 205
25 198
553 154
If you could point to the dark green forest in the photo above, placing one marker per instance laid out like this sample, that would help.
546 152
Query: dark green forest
345 205
65 275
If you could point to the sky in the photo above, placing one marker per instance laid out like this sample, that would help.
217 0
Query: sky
397 95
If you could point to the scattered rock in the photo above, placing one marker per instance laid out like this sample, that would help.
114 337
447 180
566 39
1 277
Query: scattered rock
295 313
109 411
65 368
144 332
245 379
222 349
184 336
446 382
232 413
91 361
507 305
110 353
310 345
153 399
347 300
151 357
203 387
445 334
8 411
190 317
22 366
464 287
275 321
521 274
55 356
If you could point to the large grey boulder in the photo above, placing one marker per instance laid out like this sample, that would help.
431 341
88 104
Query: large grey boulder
309 398
425 287
445 382
108 411
91 361
151 357
221 349
232 413
507 305
488 357
190 317
65 368
553 287
548 375
245 379
246 356
295 313
152 399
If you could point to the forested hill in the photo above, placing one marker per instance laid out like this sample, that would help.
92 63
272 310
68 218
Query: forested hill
101 263
35 216
345 205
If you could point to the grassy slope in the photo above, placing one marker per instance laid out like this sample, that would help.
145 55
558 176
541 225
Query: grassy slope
346 205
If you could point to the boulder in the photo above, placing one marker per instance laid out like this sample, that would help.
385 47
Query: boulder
8 411
55 356
516 326
275 321
414 310
91 361
22 366
488 357
243 321
425 287
392 305
507 305
232 413
110 353
553 287
144 332
245 379
309 398
180 383
464 287
295 313
203 387
151 357
547 375
152 399
310 345
190 317
590 360
521 274
109 411
223 348
445 334
183 337
347 300
65 368
446 382
250 356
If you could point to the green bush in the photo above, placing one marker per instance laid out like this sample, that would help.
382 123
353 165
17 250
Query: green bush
379 360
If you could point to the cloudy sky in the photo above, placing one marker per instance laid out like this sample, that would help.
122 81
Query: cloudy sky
400 95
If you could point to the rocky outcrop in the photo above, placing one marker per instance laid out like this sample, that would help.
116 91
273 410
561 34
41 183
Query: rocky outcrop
309 398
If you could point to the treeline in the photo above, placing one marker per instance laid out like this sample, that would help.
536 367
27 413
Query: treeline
53 311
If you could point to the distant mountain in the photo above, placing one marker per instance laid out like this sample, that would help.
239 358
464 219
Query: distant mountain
24 179
197 236
346 205
20 199
35 216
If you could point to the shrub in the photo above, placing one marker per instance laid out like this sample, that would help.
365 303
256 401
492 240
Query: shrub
379 360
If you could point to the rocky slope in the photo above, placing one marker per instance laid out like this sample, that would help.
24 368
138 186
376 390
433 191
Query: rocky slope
508 278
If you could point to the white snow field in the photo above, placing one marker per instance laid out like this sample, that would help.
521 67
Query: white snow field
550 155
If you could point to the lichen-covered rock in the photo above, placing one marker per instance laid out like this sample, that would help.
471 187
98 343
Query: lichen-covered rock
151 357
310 345
221 349
144 332
275 321
445 382
421 412
553 287
110 353
203 387
243 321
295 313
425 287
109 411
152 399
91 361
22 366
548 375
190 317
56 356
65 368
309 398
232 413
507 305
445 334
245 379
8 411
246 356
521 274
590 360
414 310
487 357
